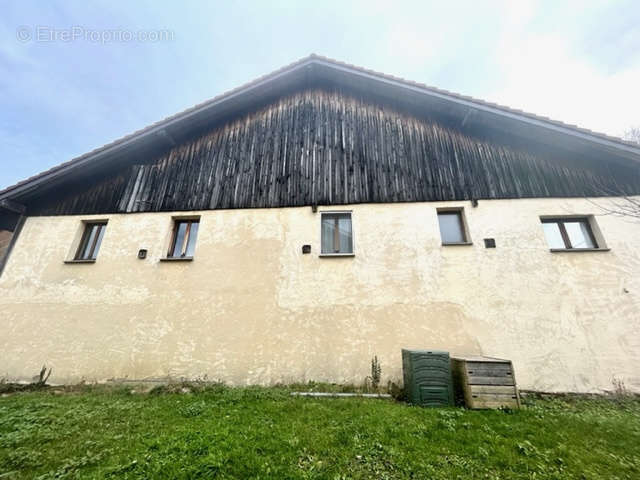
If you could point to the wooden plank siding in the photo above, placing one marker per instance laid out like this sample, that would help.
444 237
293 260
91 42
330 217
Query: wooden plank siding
323 146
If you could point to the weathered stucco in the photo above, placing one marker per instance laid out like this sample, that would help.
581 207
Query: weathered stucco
251 308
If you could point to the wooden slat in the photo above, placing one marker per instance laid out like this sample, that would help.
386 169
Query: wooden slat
482 403
489 371
489 364
493 389
495 397
491 380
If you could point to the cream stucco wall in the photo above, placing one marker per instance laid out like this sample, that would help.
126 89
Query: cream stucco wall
251 308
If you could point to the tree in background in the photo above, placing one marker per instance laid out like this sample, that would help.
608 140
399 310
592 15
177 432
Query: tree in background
632 135
626 206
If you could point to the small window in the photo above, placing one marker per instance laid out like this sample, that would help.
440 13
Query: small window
337 236
183 241
569 233
91 240
452 227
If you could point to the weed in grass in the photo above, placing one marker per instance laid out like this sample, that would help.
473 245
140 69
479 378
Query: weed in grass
192 409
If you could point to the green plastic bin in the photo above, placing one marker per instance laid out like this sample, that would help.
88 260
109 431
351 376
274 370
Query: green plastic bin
427 377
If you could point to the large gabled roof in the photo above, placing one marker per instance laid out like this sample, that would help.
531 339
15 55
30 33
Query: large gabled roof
301 70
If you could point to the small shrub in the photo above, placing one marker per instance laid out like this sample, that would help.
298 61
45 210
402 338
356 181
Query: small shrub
619 388
43 376
376 374
39 382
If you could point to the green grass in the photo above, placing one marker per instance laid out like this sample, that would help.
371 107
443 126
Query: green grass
265 433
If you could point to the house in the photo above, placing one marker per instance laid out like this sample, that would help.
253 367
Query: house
293 228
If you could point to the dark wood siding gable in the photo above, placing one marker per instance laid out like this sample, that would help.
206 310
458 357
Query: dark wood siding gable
327 147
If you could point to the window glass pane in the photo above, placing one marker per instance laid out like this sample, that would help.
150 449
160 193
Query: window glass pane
579 234
344 226
340 240
193 235
86 250
554 237
181 231
451 229
101 229
328 223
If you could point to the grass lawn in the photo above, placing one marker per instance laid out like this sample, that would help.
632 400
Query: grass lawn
266 433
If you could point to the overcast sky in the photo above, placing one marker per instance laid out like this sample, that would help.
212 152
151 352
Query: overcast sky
578 62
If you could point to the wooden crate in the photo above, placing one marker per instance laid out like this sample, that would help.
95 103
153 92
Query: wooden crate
484 382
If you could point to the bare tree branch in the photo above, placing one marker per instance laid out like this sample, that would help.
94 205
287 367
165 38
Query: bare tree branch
624 205
632 135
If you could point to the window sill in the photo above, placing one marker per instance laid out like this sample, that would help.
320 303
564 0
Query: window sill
457 244
576 250
176 259
329 255
79 261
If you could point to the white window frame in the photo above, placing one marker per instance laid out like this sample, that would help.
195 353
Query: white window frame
597 237
463 221
353 239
